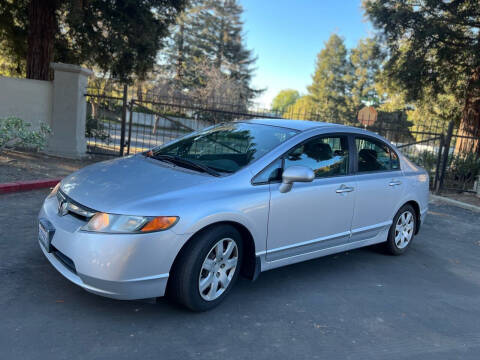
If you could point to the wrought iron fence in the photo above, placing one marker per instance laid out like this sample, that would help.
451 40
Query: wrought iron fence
118 125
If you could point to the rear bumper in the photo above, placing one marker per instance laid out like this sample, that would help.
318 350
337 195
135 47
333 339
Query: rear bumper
119 266
423 216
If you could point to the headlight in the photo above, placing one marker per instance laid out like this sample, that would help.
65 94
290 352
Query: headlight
111 223
54 191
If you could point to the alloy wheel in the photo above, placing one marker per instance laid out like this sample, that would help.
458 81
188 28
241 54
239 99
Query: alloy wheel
218 269
404 229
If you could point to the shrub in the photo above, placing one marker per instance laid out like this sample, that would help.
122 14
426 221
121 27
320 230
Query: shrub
426 159
15 133
95 129
462 169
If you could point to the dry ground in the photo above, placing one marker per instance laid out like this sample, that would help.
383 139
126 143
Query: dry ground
20 166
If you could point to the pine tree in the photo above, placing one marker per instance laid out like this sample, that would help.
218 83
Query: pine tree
366 60
329 90
182 53
210 32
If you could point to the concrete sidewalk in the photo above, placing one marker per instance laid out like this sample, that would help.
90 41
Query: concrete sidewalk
453 202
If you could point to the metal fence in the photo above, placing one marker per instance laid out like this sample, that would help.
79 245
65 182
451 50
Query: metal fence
119 125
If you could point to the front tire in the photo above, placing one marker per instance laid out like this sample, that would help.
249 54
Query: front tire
207 268
402 231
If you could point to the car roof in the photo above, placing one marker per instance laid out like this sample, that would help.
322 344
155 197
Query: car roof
300 125
305 125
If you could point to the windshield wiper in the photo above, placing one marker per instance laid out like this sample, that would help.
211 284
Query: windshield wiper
186 163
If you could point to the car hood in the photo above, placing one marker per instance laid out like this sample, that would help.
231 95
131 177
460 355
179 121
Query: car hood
121 183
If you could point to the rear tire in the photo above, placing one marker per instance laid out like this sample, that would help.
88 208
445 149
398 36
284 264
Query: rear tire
402 231
207 269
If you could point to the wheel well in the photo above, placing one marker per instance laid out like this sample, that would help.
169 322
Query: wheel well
416 207
248 266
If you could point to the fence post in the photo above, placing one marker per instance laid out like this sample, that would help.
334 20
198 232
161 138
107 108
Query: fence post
438 164
445 154
130 126
124 120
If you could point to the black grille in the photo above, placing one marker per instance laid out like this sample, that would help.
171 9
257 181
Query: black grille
64 259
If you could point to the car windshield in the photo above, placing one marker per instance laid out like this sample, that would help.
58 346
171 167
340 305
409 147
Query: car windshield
225 147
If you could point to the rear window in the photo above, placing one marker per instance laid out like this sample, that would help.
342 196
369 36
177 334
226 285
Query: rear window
374 155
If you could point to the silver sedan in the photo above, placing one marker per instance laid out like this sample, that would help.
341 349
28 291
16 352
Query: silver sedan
187 218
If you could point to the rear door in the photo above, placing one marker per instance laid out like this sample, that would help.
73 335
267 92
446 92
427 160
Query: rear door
317 215
379 188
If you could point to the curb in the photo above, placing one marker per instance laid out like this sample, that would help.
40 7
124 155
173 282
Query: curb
11 187
453 202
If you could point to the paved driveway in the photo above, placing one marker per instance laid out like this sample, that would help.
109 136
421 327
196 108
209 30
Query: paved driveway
356 305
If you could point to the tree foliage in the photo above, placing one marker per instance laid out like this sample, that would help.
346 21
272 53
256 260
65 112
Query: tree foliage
366 61
344 81
210 32
432 43
13 35
434 49
329 88
119 37
284 99
304 108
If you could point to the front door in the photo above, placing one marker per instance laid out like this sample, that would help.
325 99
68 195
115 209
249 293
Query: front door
317 215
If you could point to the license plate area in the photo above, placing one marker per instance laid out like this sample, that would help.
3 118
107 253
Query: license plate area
45 233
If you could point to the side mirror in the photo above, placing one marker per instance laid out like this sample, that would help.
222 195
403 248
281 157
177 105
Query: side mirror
294 174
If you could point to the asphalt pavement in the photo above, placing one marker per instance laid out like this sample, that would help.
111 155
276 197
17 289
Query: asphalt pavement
356 305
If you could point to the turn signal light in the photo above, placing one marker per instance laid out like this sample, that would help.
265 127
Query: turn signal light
160 223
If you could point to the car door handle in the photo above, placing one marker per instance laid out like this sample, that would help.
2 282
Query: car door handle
344 189
394 183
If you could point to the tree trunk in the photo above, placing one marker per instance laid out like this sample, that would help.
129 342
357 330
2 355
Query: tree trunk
180 56
94 105
470 124
42 24
221 44
140 90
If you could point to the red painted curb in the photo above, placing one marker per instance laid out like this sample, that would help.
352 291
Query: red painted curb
27 185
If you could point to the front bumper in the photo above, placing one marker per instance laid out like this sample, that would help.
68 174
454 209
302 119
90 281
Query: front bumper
119 266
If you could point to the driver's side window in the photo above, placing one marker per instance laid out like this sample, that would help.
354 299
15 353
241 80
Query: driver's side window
326 156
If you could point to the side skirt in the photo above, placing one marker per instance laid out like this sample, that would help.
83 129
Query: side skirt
268 265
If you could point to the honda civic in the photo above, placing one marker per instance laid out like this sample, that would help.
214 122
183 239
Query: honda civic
185 219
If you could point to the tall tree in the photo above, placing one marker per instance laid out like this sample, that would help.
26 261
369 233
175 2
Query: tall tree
119 37
211 31
182 54
303 109
366 60
284 99
329 90
434 49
